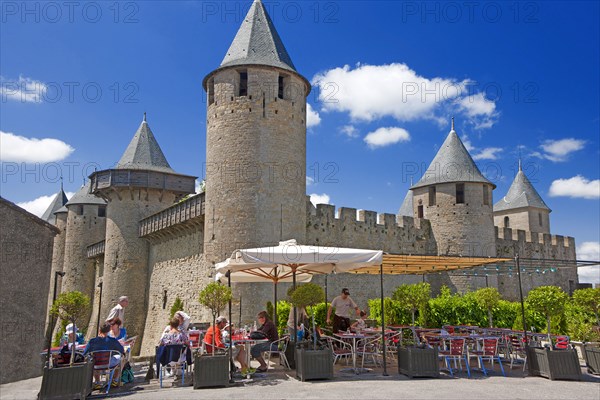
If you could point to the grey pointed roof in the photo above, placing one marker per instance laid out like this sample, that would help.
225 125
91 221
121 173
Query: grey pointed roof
57 203
63 209
83 196
452 163
144 152
406 208
521 194
257 42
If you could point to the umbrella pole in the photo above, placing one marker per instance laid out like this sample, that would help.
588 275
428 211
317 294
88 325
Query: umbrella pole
383 322
295 338
518 265
275 305
230 328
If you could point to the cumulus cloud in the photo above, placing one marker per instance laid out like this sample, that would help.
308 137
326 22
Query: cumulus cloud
386 136
350 131
481 111
22 149
576 187
488 153
40 205
559 150
309 180
319 198
371 92
200 186
312 117
25 90
589 251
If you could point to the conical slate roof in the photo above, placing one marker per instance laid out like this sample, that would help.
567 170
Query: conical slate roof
144 152
257 42
521 194
83 196
452 163
406 209
57 203
63 209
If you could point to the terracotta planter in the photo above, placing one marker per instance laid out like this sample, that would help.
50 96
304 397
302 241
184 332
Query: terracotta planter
72 382
416 362
314 364
592 358
553 364
211 371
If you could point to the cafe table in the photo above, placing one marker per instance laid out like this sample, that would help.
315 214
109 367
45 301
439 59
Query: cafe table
353 337
248 342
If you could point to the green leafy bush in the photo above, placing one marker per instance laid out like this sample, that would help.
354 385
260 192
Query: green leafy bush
177 306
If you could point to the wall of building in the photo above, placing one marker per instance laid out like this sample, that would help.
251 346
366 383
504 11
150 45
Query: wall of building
525 219
26 261
58 257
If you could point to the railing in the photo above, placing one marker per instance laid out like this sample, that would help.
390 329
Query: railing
96 249
186 210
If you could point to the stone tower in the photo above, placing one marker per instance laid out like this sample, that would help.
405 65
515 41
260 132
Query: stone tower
522 207
255 143
457 199
85 225
141 184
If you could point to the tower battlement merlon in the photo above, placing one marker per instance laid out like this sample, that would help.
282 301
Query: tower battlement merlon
519 235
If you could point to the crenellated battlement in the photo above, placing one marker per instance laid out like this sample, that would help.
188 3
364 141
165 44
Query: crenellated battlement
545 239
349 227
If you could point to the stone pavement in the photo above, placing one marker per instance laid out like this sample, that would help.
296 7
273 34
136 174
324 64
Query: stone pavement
281 384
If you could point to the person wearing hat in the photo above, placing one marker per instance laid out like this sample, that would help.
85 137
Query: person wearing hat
238 352
71 333
118 311
184 322
343 304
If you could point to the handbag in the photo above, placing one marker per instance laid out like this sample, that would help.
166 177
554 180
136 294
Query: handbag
257 335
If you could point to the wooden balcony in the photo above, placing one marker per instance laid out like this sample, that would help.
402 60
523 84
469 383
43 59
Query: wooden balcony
96 249
183 216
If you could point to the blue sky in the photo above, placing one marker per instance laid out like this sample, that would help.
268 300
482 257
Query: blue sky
520 79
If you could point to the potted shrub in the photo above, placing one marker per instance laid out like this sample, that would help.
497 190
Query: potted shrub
75 380
212 369
313 360
553 364
488 298
413 297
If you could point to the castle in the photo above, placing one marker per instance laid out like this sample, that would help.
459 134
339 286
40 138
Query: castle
135 230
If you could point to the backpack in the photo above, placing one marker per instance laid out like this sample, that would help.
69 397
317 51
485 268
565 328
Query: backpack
127 375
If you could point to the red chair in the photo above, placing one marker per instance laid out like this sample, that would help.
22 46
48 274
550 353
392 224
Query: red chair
488 350
195 340
517 350
102 361
455 352
561 343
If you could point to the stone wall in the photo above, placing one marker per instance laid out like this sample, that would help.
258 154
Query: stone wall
26 261
58 257
524 219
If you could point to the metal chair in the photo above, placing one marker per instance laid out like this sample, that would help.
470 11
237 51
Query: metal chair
339 348
102 365
488 350
517 350
278 347
455 352
171 356
370 347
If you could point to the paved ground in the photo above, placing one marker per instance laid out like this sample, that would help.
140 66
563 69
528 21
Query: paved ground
281 384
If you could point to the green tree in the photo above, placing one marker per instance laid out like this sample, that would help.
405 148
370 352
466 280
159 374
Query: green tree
308 295
549 301
589 300
488 299
177 306
413 297
71 306
215 297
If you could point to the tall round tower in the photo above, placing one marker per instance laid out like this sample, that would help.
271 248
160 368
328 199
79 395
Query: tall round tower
141 184
457 199
85 225
255 143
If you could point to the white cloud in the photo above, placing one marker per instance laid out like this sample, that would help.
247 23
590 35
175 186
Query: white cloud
38 206
25 90
386 136
350 131
200 186
312 117
577 186
488 153
309 180
481 111
589 251
467 143
319 198
21 149
559 150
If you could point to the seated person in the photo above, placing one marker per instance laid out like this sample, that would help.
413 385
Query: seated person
238 352
71 332
360 323
174 336
104 342
115 329
184 322
301 318
268 328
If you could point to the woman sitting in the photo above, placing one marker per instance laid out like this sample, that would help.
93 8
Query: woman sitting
238 351
115 329
174 336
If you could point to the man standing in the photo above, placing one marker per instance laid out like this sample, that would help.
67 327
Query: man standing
342 304
118 311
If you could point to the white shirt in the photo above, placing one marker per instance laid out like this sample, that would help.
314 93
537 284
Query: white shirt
343 307
117 312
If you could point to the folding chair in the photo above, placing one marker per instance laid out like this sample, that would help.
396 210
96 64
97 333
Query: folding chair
102 365
171 356
487 351
278 347
455 352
